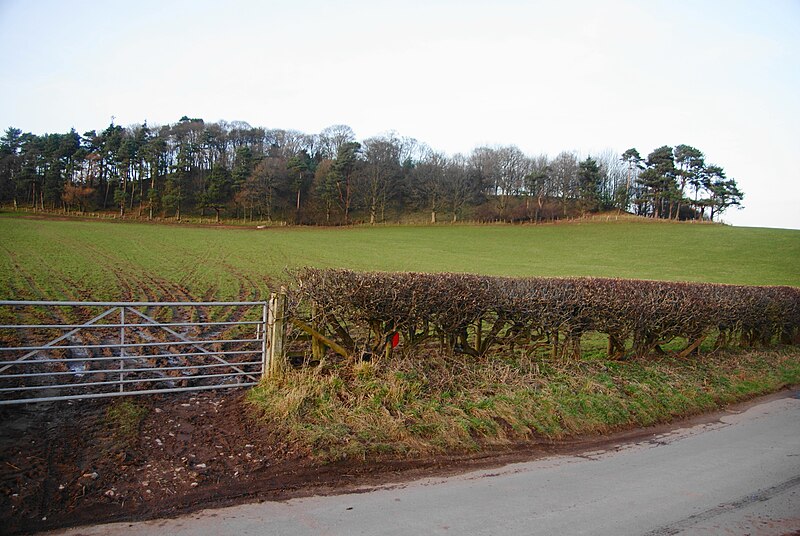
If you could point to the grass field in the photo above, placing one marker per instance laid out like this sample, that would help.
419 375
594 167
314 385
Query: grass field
51 259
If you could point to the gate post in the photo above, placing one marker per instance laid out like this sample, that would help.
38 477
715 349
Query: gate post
263 333
276 330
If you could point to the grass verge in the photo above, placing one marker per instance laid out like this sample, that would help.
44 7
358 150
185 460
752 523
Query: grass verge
445 404
124 418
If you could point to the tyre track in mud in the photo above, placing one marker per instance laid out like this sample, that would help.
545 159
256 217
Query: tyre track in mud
12 281
129 276
249 289
64 315
34 315
139 284
134 285
58 429
147 286
33 290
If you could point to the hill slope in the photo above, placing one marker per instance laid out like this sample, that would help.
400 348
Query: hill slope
49 259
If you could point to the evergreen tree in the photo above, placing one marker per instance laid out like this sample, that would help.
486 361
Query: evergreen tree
658 181
589 179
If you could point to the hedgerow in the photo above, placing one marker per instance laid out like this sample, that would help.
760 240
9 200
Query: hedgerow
472 314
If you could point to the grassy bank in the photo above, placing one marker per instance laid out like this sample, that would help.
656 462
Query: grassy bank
447 404
44 259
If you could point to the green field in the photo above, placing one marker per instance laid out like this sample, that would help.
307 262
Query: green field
51 259
431 401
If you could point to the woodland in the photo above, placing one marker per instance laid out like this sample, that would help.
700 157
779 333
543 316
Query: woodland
233 171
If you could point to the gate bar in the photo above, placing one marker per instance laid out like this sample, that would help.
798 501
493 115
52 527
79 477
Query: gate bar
119 382
69 326
125 345
89 372
64 336
129 357
113 393
127 304
176 334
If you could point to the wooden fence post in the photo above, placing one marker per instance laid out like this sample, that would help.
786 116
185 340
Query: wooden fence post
276 330
317 346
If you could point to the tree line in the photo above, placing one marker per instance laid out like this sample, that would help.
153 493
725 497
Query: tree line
235 171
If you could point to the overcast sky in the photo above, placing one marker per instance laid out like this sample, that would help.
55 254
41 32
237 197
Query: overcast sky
546 76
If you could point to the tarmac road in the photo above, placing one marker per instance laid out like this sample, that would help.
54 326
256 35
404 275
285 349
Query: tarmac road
738 476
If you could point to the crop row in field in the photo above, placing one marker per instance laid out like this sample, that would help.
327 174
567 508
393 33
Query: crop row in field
47 259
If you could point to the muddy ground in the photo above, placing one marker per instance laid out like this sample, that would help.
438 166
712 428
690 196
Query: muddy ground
65 463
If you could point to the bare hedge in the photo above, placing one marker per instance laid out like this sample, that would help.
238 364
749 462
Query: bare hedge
472 313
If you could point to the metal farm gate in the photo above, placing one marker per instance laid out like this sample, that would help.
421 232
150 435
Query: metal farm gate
52 350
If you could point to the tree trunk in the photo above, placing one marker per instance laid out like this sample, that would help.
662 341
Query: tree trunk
105 196
297 208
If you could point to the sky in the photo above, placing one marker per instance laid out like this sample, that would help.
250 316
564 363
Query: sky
722 76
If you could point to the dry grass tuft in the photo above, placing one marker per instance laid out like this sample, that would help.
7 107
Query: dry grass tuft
449 404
